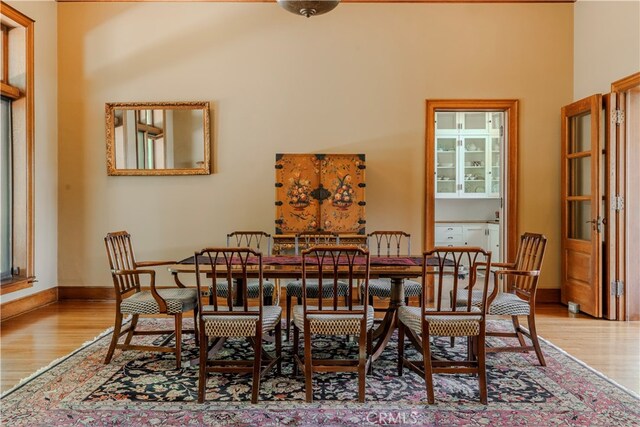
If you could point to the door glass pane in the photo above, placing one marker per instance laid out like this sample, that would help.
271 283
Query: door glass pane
496 120
473 120
580 176
579 220
446 165
446 120
494 172
580 139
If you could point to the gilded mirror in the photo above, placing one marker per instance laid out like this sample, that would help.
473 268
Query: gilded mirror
160 138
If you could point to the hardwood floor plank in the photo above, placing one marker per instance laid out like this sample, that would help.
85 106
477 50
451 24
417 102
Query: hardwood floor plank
33 340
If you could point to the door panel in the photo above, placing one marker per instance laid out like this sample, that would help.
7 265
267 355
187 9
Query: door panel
581 205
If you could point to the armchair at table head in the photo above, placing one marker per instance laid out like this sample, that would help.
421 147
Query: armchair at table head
131 299
514 294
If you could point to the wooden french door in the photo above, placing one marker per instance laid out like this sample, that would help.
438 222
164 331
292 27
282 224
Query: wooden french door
582 210
624 276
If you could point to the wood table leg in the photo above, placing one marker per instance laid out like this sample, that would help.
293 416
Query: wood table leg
390 322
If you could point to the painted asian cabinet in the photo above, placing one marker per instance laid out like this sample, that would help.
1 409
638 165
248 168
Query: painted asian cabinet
317 192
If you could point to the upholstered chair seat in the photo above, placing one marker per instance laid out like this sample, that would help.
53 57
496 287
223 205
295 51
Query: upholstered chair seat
178 301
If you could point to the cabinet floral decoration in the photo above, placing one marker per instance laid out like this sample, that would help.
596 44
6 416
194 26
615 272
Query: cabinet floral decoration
317 192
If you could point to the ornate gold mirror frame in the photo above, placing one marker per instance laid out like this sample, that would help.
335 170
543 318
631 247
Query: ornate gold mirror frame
158 138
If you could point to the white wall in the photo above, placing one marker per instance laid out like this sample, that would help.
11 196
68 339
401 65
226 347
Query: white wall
606 44
46 145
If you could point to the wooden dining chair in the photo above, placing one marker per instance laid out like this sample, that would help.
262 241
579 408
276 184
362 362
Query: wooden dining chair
221 320
258 240
305 240
390 244
446 319
132 300
514 294
321 266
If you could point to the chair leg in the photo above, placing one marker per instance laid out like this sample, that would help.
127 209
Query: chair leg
370 349
279 347
196 335
471 349
296 348
482 369
134 323
202 370
178 322
428 370
362 365
257 363
400 347
534 338
114 338
308 368
516 327
288 316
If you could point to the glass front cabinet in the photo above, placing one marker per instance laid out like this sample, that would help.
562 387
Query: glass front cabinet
468 146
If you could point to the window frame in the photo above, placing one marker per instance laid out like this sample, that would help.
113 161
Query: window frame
12 18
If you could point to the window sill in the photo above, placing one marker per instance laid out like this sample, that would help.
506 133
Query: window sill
15 284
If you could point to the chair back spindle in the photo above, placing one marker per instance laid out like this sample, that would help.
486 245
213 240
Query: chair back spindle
452 262
307 239
121 258
232 263
529 258
258 240
389 243
337 263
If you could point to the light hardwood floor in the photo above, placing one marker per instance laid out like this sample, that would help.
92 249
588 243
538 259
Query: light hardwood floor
33 340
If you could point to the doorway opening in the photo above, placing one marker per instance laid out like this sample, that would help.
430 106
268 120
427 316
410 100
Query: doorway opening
471 169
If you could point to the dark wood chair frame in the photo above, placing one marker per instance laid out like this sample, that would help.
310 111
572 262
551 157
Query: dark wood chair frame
326 265
450 262
389 243
521 279
306 240
126 273
255 240
234 262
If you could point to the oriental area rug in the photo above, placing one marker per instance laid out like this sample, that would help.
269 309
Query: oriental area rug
145 389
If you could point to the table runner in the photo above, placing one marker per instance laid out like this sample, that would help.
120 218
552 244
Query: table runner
297 260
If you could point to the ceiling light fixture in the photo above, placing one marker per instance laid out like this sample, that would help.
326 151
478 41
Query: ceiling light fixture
308 7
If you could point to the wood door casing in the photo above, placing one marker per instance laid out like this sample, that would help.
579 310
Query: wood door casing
510 108
581 260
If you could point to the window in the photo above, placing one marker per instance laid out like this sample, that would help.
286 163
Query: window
16 151
6 173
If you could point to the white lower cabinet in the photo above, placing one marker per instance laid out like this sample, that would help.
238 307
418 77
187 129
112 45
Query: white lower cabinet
486 236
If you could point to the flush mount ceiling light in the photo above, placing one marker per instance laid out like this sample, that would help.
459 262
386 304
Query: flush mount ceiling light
308 8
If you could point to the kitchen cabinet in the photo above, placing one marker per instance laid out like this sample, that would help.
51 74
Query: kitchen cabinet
481 234
467 154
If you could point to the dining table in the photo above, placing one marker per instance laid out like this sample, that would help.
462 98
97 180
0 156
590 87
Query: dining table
397 269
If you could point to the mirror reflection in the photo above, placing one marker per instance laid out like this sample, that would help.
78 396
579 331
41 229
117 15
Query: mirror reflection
158 139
